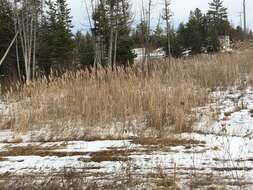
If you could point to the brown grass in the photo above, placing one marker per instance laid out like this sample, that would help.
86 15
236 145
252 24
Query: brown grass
168 142
251 113
110 155
3 159
161 98
166 181
36 151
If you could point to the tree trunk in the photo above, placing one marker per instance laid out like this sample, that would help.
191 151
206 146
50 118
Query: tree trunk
17 50
116 40
167 18
34 48
26 25
110 63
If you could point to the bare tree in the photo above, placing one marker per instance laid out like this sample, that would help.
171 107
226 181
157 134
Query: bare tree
116 33
98 13
17 49
146 19
111 26
149 29
244 18
143 38
92 28
26 12
95 37
167 16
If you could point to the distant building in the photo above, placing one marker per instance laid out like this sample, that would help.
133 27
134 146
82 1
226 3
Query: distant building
158 53
155 54
186 53
225 43
140 53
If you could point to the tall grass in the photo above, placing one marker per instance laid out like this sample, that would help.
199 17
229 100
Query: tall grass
160 95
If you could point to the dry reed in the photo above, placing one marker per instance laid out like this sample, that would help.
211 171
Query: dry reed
161 95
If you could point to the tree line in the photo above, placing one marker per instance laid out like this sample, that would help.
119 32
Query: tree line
36 37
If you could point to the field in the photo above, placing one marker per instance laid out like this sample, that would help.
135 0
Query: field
178 124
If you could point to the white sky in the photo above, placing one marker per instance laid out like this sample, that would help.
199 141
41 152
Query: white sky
180 9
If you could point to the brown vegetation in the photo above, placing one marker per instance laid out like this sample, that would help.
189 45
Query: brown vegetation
110 155
161 142
161 98
34 150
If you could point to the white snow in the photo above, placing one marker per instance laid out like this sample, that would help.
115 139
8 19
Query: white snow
94 146
26 164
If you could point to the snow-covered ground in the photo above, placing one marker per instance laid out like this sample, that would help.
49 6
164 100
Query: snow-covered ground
221 155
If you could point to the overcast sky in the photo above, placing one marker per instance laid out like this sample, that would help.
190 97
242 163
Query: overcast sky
180 9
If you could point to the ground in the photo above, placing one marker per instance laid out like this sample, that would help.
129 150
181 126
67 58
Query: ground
217 154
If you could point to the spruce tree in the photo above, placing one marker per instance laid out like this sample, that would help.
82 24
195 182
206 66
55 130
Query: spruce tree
6 36
125 55
85 50
157 38
57 45
218 17
63 42
195 30
6 25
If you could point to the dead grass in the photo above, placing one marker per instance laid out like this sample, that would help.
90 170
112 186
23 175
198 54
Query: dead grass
207 182
3 159
158 179
33 150
68 180
166 142
163 97
251 113
110 155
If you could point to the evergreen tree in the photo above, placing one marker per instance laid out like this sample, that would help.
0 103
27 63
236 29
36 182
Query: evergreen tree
85 50
193 35
6 26
125 55
195 31
63 41
56 41
157 38
218 17
8 68
174 43
213 43
6 23
182 37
